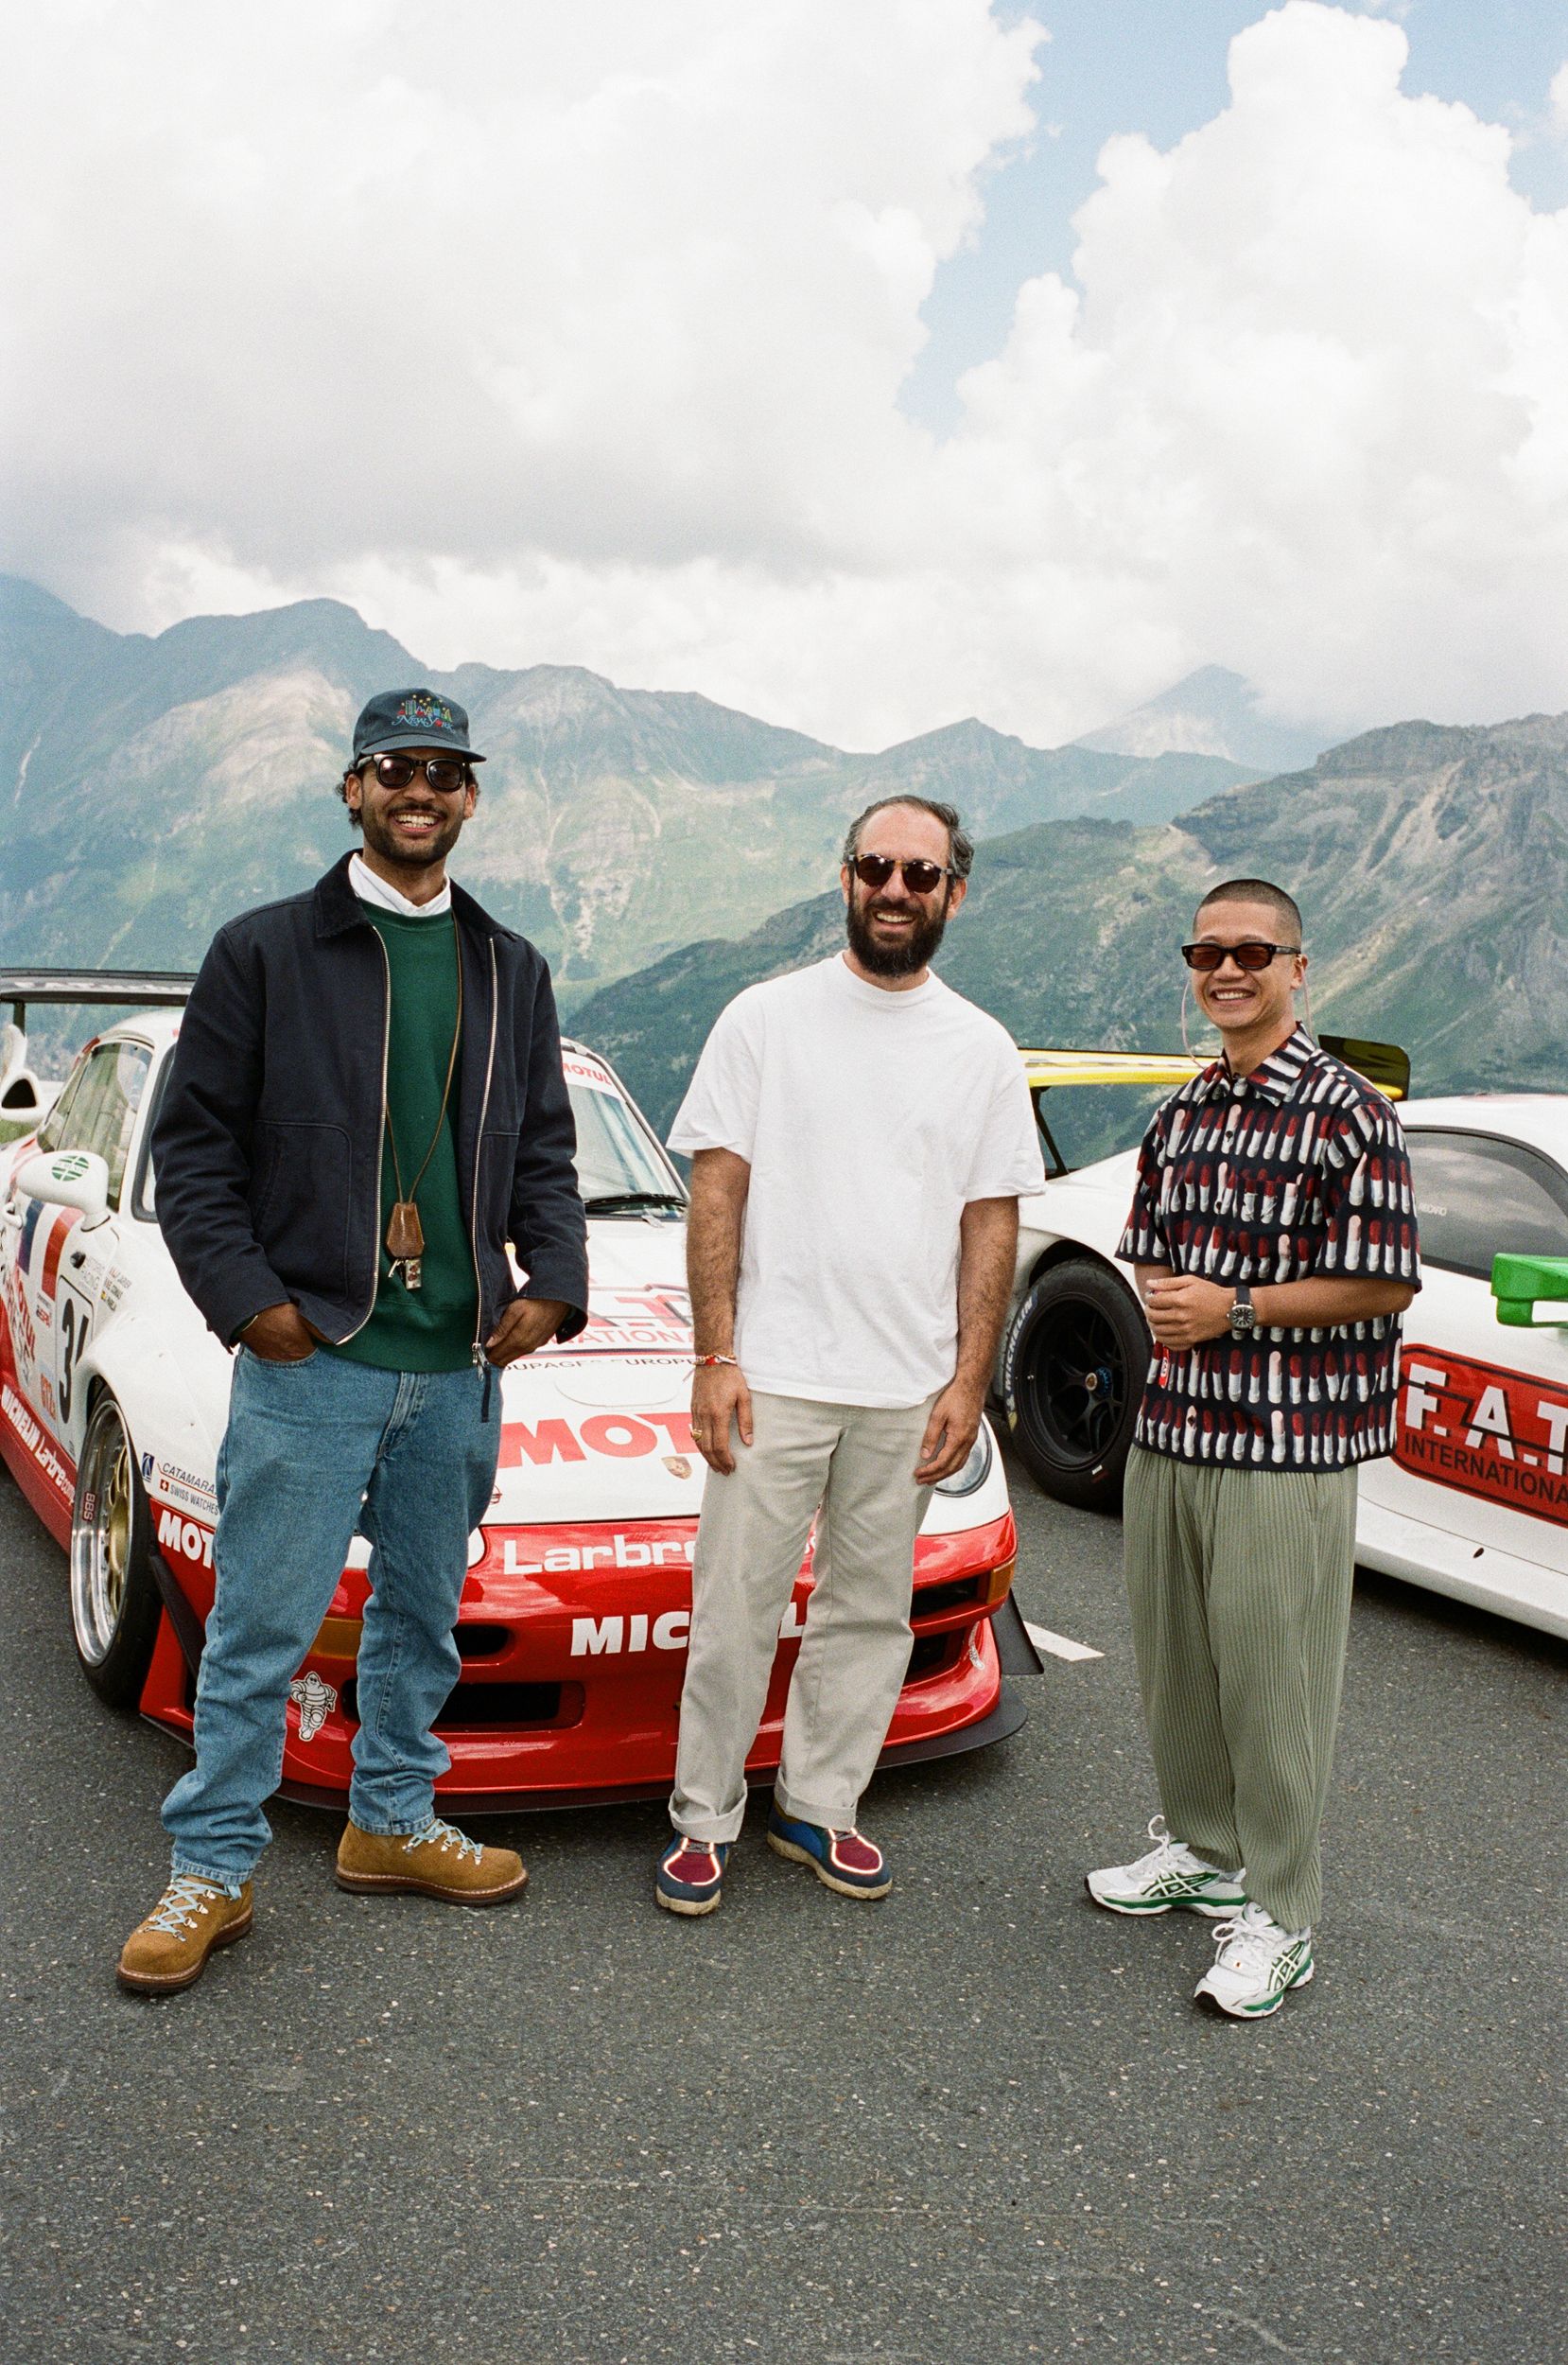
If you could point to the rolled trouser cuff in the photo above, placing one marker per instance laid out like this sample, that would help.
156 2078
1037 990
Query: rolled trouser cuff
719 1831
186 1868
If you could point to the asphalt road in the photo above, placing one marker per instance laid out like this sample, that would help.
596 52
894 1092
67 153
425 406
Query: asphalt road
979 2123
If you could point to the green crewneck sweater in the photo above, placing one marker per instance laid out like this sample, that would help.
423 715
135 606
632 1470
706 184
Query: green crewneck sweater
430 1328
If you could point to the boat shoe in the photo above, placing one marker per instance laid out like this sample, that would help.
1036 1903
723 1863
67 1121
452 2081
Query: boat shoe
690 1876
845 1861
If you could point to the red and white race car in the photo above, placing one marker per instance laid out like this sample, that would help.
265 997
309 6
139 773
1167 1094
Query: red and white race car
1473 1501
572 1629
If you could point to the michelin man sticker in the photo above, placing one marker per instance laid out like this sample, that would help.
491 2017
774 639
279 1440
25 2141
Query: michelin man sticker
315 1701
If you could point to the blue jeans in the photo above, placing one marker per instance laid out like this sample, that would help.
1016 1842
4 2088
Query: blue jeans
314 1451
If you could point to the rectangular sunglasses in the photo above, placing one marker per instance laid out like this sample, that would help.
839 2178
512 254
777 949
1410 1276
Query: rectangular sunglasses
1250 956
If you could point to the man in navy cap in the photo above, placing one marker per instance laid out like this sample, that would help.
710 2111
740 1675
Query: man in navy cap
365 1106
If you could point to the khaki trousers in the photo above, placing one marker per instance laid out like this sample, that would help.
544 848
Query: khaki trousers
1240 1583
855 1466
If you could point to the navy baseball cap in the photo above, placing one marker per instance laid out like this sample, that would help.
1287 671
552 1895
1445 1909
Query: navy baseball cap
412 718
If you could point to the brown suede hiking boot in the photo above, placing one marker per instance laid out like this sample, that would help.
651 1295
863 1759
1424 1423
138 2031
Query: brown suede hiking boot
170 1948
437 1862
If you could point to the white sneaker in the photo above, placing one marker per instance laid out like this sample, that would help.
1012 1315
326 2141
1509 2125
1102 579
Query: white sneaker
1169 1875
1256 1967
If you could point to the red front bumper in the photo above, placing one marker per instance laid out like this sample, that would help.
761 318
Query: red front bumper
573 1644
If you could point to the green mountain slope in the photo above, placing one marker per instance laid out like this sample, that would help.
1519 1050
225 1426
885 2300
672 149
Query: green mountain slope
150 787
1432 866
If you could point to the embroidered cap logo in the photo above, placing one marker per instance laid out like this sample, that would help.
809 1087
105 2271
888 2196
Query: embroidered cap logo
426 715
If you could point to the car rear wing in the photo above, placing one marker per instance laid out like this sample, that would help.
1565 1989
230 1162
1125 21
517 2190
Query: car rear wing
1386 1066
140 988
23 1099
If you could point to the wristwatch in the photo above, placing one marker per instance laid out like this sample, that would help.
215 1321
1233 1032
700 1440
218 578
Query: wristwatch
1243 1315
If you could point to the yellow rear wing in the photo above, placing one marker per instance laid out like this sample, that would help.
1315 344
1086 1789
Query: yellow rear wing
1046 1068
1384 1064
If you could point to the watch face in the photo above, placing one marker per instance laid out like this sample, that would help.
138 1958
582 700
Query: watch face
1243 1320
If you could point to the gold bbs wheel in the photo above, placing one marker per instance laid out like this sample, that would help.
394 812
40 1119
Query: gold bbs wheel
114 1601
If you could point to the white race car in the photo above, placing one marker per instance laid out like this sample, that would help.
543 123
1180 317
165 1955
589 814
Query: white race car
113 1397
1473 1501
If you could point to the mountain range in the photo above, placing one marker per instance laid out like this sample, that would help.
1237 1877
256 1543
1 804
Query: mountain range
1431 863
665 850
150 787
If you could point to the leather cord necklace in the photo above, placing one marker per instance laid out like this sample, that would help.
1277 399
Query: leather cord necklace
404 1232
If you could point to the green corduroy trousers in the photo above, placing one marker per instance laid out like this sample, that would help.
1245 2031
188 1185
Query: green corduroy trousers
1240 1583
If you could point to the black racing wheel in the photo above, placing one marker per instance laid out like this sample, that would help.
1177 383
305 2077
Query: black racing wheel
1077 1356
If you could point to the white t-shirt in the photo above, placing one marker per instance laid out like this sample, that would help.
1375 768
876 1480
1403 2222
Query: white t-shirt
869 1119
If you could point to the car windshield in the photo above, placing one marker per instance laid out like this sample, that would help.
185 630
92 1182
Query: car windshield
615 1160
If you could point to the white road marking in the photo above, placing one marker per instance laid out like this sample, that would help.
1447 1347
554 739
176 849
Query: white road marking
1057 1644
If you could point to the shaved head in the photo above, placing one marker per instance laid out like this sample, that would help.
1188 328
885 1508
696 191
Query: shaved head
1285 907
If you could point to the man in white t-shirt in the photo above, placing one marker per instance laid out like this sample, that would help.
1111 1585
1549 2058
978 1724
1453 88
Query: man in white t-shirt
860 1138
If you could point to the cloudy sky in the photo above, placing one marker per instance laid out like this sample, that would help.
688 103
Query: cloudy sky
864 363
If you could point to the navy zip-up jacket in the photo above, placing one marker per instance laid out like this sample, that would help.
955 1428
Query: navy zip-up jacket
268 1144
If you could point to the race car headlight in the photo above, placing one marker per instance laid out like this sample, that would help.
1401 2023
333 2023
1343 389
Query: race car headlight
975 1471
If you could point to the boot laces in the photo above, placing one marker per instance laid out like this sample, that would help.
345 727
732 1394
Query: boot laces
181 1905
445 1836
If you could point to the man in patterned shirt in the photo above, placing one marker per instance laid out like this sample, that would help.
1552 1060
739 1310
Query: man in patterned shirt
1273 1239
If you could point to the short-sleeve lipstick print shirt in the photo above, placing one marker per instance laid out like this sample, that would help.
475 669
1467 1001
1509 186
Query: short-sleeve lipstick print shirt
1294 1172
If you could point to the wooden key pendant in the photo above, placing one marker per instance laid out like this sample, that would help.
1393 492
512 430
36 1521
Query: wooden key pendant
405 1242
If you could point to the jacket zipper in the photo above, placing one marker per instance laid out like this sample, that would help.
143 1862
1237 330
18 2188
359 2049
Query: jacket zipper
381 1144
478 1154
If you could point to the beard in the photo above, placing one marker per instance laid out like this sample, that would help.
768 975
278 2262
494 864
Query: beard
434 849
910 952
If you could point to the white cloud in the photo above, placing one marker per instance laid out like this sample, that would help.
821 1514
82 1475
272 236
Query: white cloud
1558 100
578 334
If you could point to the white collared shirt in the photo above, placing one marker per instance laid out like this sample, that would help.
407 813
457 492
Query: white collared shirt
370 889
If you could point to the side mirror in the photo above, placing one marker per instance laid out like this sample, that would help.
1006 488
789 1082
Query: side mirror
24 1101
66 1177
1524 1285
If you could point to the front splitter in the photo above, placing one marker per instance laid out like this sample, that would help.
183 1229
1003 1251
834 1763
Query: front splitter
1015 1651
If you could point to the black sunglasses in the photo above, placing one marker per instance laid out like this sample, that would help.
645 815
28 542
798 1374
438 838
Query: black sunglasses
874 871
1253 956
445 774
